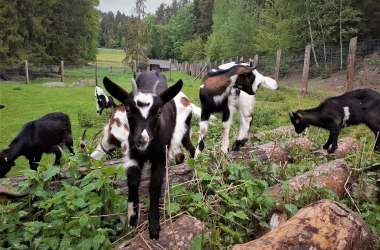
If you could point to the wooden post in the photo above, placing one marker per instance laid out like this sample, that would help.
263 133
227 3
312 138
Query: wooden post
134 67
241 59
305 74
351 64
256 61
96 74
62 71
111 69
26 71
170 69
147 65
278 62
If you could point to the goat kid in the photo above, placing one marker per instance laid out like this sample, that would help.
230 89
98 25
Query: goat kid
116 131
352 108
232 87
152 120
102 100
44 135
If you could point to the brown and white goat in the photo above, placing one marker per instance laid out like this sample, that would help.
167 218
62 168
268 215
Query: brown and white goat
152 120
232 87
44 135
351 108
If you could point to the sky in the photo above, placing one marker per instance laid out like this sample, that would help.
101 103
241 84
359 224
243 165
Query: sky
127 6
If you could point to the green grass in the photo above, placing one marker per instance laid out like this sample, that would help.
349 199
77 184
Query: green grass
110 55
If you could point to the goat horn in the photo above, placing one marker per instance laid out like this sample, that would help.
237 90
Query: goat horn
134 87
154 90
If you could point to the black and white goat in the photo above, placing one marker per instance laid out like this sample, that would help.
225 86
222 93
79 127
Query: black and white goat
233 86
102 100
152 121
351 108
116 131
44 135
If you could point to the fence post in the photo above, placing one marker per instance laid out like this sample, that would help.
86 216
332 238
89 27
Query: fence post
170 69
351 64
62 71
278 62
256 61
27 71
96 74
134 67
305 74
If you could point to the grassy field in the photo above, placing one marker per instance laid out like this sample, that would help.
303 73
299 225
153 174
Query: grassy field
27 102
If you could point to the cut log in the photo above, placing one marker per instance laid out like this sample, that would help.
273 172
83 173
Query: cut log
346 145
331 175
323 225
176 236
284 131
273 151
9 195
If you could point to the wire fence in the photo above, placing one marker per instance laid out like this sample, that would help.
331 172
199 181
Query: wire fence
331 59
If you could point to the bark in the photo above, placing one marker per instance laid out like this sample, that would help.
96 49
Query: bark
9 195
322 225
332 175
346 145
276 133
176 236
273 151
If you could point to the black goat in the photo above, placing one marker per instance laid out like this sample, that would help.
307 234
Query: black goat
102 100
355 107
44 135
152 121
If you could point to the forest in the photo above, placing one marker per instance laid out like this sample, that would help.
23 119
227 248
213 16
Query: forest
51 31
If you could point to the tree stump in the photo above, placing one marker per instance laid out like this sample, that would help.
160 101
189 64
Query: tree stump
323 225
345 145
176 236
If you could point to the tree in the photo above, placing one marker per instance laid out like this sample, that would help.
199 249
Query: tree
193 50
182 27
136 40
203 14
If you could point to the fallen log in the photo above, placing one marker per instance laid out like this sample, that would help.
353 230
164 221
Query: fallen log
172 236
274 151
284 131
9 195
323 225
331 175
346 145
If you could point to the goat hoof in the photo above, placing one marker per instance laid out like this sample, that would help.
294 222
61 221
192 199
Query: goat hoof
331 150
179 158
154 232
133 221
326 146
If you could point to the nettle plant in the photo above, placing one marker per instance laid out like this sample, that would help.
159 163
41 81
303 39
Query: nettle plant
82 212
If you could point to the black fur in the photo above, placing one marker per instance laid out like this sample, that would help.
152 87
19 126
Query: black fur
363 105
44 135
160 124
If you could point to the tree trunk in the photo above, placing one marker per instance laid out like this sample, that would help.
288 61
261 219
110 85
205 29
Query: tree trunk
323 225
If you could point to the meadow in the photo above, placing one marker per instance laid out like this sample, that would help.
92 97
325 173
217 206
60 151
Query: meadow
27 102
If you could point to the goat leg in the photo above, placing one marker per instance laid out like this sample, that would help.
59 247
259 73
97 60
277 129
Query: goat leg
157 175
133 179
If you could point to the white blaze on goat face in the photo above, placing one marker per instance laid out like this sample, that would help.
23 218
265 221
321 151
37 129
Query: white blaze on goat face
145 136
144 102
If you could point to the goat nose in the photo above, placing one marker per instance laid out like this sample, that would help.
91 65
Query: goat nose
140 141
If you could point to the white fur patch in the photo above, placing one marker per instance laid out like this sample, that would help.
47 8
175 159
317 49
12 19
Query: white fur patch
145 136
131 211
129 163
99 91
230 65
274 221
218 99
245 106
202 86
347 114
267 82
147 100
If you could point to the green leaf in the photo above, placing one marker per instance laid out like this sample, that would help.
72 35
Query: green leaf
291 208
51 172
239 214
174 207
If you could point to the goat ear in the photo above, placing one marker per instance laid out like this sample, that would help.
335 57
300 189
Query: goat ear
171 92
116 91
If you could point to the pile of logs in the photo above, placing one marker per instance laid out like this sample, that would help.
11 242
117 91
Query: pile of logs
322 225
